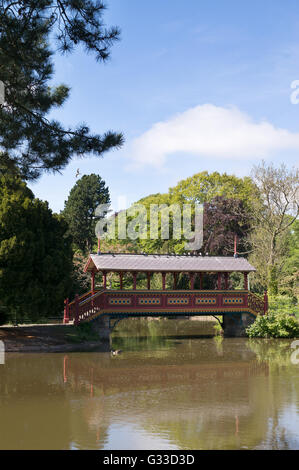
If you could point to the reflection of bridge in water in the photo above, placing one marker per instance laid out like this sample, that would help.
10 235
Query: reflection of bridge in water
120 379
81 400
208 400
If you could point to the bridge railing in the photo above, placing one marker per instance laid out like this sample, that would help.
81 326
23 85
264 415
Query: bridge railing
82 307
164 302
256 303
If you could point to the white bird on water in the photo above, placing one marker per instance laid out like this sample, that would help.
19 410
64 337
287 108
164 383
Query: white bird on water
115 352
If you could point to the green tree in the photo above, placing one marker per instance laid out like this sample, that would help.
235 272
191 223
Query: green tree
31 142
79 209
227 203
35 255
274 214
289 284
203 187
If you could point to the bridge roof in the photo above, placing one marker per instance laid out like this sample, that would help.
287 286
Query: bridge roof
167 263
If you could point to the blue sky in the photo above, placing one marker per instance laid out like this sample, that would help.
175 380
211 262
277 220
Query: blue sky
195 85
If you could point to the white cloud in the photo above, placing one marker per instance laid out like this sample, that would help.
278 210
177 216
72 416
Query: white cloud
211 131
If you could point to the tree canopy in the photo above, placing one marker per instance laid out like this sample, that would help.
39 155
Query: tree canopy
31 142
79 209
35 255
203 187
274 215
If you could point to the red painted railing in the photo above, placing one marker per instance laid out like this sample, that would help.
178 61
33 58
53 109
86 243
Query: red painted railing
146 302
258 305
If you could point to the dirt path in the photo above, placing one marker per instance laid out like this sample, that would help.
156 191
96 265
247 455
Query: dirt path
45 338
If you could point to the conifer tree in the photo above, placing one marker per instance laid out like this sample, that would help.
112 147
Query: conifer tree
35 255
79 209
31 142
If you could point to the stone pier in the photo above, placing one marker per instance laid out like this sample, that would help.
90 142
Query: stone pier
234 325
101 326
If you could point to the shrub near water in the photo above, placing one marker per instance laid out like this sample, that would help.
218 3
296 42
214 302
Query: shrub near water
279 325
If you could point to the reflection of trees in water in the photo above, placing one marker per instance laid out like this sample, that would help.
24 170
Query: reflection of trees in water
33 408
40 410
201 405
277 353
283 389
137 334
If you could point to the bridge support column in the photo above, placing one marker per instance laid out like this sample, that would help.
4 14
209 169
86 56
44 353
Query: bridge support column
175 276
104 280
201 281
101 326
226 281
134 280
234 325
92 282
219 279
192 280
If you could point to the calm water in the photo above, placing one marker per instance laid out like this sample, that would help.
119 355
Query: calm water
167 390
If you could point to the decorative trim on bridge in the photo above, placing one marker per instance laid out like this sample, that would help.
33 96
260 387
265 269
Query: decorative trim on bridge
205 300
233 300
191 311
120 301
178 300
157 303
149 301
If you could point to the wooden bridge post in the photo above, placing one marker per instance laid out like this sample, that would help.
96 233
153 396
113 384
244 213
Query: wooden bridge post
192 279
148 281
174 281
219 276
92 282
104 280
66 317
134 280
226 281
201 280
76 322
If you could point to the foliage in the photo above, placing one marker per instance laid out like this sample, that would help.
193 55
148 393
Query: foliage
223 219
30 142
35 255
274 214
81 280
279 325
79 209
283 304
289 282
203 187
218 329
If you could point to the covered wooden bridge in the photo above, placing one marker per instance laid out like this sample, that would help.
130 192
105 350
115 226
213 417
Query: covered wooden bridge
238 308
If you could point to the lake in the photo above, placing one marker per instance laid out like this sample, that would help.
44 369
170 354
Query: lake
174 386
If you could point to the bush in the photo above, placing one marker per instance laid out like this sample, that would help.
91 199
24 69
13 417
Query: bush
279 325
283 304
